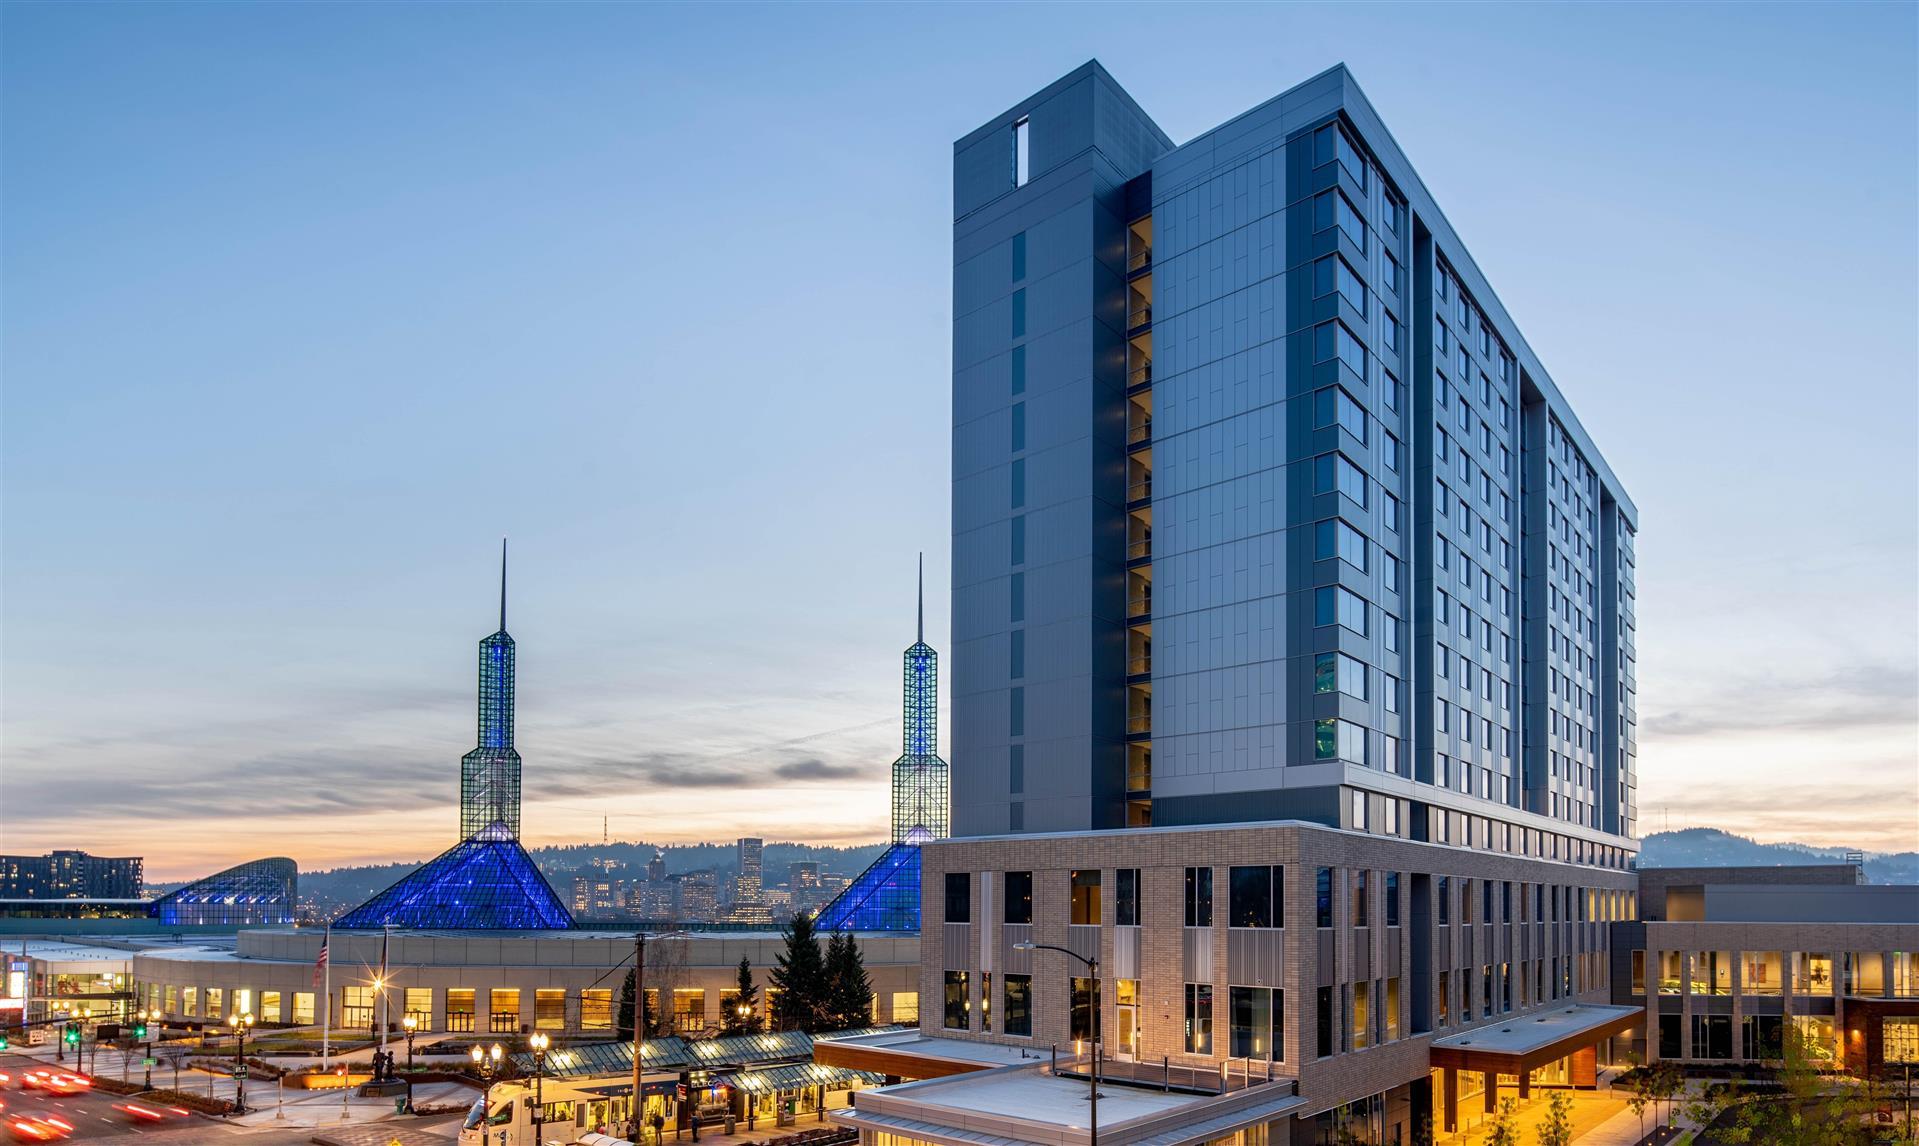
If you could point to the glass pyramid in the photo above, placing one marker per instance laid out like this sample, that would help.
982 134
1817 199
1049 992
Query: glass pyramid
485 882
885 897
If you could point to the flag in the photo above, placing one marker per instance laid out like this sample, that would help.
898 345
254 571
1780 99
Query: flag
319 965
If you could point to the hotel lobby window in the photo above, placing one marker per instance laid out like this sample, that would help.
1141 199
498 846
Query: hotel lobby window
596 1009
459 1009
503 1011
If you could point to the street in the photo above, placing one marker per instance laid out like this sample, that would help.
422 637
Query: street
93 1117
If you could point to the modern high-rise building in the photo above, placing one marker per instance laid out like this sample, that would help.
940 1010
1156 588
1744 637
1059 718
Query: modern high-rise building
490 774
1293 653
1262 505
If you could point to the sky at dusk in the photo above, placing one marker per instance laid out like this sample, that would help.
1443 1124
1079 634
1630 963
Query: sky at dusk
302 307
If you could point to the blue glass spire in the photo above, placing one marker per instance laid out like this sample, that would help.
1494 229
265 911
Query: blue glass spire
490 774
919 775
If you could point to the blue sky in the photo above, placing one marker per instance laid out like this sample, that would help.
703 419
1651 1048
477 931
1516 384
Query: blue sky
305 305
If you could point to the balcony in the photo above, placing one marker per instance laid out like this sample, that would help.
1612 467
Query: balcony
1141 725
1139 431
1139 489
1141 665
1140 317
1141 375
1139 607
1140 259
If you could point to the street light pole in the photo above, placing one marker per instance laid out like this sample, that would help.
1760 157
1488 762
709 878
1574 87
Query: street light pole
1092 1074
412 1024
240 1023
539 1042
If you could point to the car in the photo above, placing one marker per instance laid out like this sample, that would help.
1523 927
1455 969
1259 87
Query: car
35 1079
38 1128
142 1112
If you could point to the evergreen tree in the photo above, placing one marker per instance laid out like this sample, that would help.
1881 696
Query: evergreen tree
800 979
849 991
748 1000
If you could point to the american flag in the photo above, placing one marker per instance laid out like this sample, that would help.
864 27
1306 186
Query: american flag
319 965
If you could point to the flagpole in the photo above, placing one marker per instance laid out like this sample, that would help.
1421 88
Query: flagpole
386 936
326 999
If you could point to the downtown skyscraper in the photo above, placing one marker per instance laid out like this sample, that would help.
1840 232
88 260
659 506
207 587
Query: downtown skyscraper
1262 506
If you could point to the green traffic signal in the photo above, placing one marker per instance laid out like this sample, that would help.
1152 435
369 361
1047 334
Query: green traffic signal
73 1036
139 1032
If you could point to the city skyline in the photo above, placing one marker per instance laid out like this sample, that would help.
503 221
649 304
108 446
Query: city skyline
198 626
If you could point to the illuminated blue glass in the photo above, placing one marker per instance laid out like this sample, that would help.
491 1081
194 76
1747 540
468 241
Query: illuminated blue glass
255 894
885 897
487 883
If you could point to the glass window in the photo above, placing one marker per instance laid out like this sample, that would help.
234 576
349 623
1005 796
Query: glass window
906 1007
1362 900
1257 1024
1392 897
549 1009
1019 313
1334 538
958 1006
1323 897
1199 897
1126 897
1333 209
1333 472
418 1002
1332 274
216 1004
1022 159
1019 897
1085 885
1199 1018
1019 256
270 1008
503 1010
1337 672
1019 369
1084 1019
1331 143
1257 897
302 1008
1019 1004
1333 405
459 1009
1332 340
1336 604
959 897
1362 1015
596 1009
1325 1021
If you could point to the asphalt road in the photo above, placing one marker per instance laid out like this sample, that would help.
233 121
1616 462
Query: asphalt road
94 1119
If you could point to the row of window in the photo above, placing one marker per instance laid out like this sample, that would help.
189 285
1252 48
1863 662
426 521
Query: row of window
1865 973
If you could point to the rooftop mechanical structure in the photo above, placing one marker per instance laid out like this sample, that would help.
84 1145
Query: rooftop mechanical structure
886 896
486 882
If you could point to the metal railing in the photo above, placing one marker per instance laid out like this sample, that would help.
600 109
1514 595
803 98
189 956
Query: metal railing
1139 317
1232 1074
1141 606
1138 724
1139 549
1141 489
1139 431
1140 375
1141 257
1139 666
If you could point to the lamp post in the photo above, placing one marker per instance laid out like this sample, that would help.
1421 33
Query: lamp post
412 1025
240 1023
539 1042
1092 1075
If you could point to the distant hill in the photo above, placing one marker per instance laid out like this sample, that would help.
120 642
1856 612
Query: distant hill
1710 847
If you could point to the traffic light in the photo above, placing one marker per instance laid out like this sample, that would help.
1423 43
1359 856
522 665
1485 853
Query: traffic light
3 1041
73 1034
139 1032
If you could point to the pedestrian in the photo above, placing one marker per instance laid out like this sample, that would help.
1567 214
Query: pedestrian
659 1127
696 1124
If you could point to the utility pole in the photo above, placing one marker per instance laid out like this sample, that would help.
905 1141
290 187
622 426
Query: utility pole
639 1026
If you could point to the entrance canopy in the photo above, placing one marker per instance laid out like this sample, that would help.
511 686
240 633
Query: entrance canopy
1531 1041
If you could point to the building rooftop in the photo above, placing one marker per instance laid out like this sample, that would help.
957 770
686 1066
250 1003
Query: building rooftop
1528 1033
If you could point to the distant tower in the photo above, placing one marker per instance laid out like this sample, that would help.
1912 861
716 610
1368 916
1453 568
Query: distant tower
490 774
919 775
